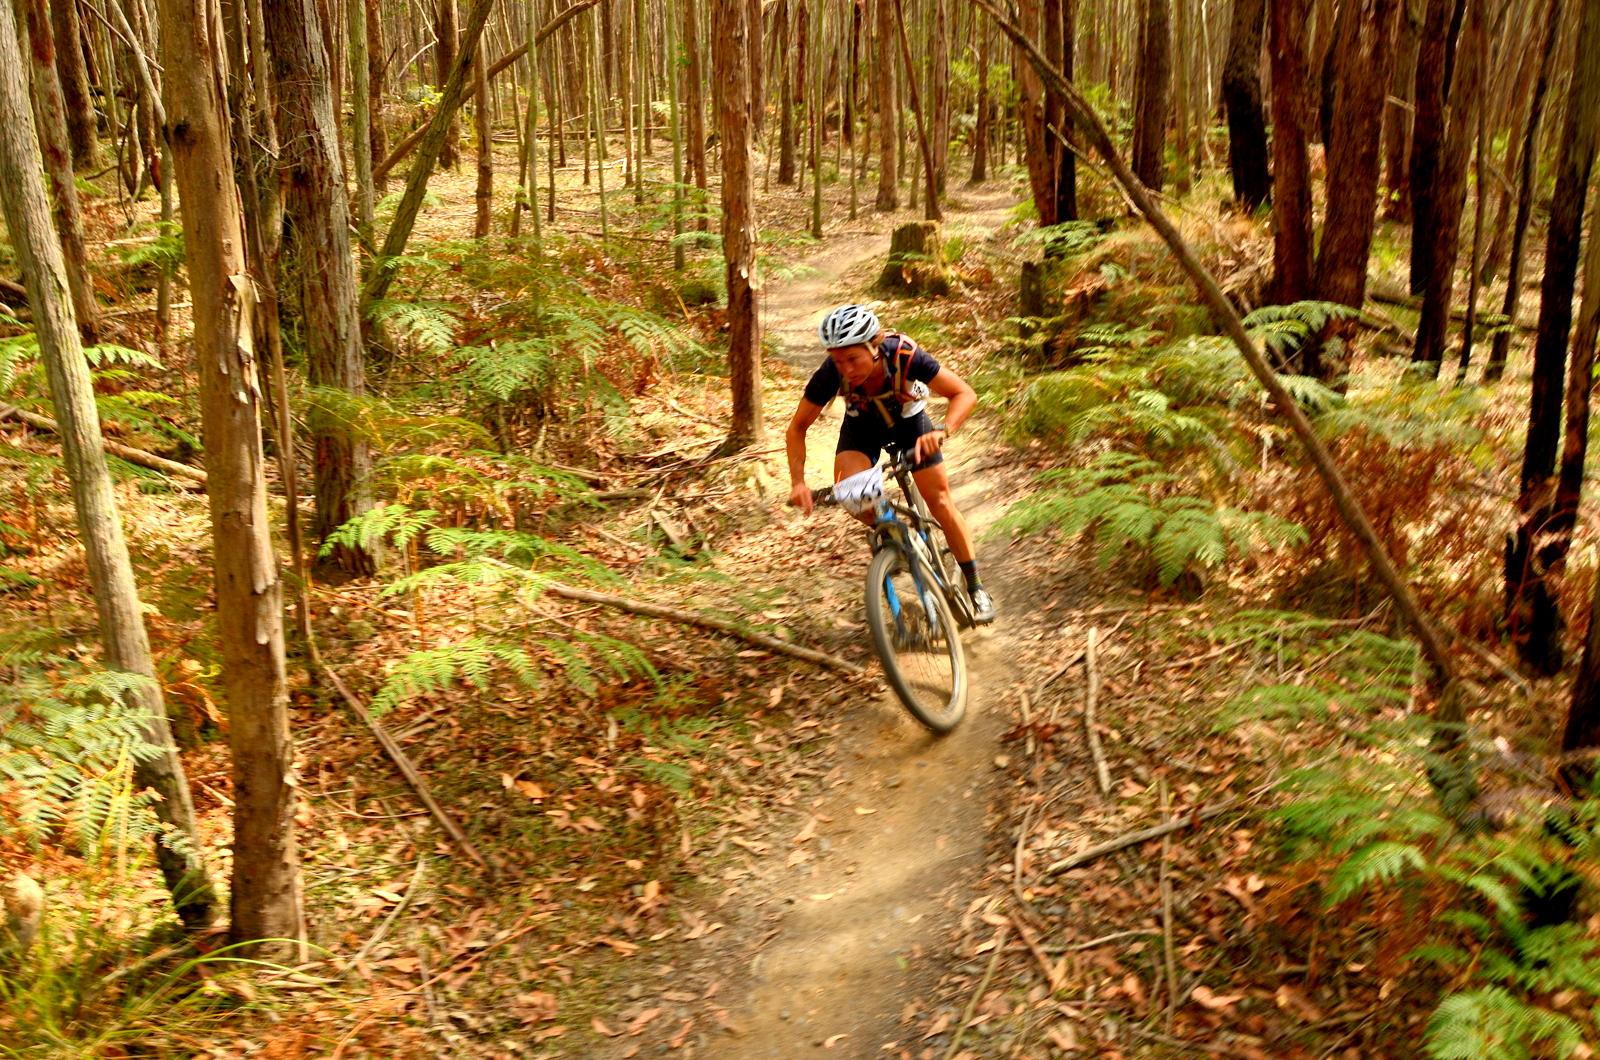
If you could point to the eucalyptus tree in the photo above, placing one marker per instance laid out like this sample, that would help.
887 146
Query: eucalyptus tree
121 615
57 161
267 900
730 32
1531 553
312 172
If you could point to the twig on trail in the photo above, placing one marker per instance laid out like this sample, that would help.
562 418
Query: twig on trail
1101 941
1166 917
116 449
427 982
1496 663
1102 772
1060 671
402 762
1027 721
394 914
1052 974
719 625
1110 846
533 921
1178 1043
983 985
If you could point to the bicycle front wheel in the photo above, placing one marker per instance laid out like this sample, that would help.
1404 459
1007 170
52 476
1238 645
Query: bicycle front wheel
918 642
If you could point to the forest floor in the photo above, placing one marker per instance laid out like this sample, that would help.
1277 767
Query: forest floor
751 856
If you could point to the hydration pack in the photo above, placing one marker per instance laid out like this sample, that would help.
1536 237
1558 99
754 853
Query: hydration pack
897 351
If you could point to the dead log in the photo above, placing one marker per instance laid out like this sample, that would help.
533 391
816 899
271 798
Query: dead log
116 449
1392 294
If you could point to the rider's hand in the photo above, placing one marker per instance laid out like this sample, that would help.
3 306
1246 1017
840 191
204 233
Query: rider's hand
800 497
929 443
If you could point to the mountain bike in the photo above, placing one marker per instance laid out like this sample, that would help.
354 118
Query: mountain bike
916 608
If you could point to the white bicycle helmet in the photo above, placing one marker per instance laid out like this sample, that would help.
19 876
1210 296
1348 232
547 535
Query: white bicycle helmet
847 326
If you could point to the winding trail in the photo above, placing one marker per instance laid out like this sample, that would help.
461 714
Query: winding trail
903 818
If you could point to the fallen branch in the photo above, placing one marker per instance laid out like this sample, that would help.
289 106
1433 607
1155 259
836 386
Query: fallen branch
1102 772
11 289
1167 947
394 914
1129 839
983 985
402 762
1379 291
116 449
691 618
688 618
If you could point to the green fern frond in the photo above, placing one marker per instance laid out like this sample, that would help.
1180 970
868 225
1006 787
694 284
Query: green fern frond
384 522
1490 1023
1381 862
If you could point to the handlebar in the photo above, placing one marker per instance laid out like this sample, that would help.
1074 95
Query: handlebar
897 460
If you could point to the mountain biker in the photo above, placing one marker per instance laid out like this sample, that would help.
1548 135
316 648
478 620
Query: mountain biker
885 379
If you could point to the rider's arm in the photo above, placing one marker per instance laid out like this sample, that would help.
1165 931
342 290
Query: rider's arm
794 444
959 393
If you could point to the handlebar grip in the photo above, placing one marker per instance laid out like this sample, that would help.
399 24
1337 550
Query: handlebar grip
822 496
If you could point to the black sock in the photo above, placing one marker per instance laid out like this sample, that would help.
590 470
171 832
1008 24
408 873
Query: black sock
969 570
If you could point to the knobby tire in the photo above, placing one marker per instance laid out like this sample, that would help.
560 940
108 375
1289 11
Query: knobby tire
940 711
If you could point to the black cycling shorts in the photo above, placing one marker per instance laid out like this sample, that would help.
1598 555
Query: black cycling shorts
867 433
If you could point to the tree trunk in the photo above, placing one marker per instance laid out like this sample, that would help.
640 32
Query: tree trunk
1531 611
1291 191
939 92
1449 193
53 135
267 900
695 101
931 207
483 196
116 598
1059 32
1150 102
888 110
1397 119
1033 113
1434 59
980 132
1362 79
312 174
1495 367
361 111
786 94
377 89
1241 92
447 21
405 217
76 98
730 60
1582 730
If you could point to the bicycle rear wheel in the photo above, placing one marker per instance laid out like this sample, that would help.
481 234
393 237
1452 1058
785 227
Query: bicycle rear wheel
921 653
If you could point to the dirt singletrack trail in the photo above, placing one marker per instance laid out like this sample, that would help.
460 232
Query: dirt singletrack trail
903 818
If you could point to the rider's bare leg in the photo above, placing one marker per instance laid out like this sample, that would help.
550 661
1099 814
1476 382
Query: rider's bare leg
849 462
934 485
